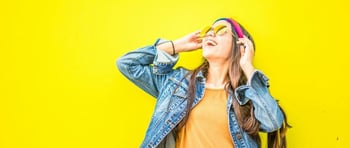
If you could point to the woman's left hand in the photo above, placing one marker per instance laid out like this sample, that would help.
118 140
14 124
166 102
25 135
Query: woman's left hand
247 55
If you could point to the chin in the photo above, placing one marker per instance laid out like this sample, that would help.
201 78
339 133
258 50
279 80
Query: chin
207 52
207 55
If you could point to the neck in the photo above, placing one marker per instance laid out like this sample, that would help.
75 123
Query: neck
217 75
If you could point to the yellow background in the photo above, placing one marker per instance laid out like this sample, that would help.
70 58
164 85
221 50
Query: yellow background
59 86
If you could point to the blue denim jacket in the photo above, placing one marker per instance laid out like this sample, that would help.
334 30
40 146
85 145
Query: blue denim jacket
152 70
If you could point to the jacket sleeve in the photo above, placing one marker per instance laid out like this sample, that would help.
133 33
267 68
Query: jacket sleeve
266 109
147 67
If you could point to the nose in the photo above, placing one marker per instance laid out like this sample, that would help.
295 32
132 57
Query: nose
211 33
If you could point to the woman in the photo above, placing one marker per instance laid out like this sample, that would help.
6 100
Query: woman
224 102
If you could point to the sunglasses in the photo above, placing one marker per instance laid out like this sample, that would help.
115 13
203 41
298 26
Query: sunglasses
218 30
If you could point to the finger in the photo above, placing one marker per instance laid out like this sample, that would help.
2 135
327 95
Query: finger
199 40
248 41
245 45
249 45
197 32
242 50
240 43
241 40
245 42
199 45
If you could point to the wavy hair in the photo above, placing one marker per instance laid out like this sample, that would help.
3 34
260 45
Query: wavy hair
244 113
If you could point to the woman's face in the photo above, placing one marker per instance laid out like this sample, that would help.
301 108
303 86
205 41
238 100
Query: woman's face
218 46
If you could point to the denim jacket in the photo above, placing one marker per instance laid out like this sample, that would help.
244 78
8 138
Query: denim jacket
152 70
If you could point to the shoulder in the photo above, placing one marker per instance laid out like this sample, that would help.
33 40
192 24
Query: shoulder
180 74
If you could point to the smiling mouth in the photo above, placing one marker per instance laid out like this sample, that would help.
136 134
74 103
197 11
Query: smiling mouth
210 43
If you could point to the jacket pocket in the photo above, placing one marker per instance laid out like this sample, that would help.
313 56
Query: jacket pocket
177 97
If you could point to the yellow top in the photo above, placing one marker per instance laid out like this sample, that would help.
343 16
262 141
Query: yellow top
207 124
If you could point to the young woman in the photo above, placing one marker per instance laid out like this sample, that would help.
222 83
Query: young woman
223 103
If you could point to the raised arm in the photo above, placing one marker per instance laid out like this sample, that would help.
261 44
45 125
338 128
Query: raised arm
141 66
266 109
149 67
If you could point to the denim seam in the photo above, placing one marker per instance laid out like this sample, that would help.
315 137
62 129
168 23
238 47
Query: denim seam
140 82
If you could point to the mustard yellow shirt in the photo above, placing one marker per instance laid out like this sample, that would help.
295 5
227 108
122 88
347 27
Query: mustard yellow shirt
207 125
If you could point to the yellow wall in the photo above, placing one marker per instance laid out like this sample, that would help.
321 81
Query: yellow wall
59 86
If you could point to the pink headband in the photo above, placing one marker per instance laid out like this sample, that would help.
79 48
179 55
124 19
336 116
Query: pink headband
234 25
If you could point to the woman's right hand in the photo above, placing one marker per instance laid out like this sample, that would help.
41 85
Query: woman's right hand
189 42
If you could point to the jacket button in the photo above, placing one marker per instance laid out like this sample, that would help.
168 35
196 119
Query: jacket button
239 136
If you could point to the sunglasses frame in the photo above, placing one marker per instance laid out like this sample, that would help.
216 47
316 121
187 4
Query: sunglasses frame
216 29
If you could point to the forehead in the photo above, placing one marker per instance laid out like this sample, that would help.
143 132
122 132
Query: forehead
222 22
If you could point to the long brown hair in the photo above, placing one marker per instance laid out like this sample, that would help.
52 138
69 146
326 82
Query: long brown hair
244 113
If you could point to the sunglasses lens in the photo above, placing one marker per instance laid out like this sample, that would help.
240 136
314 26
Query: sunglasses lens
220 30
204 31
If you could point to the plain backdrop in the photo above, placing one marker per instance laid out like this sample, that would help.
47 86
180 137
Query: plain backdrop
59 86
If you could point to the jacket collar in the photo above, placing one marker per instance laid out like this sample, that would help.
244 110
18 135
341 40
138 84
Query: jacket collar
200 77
